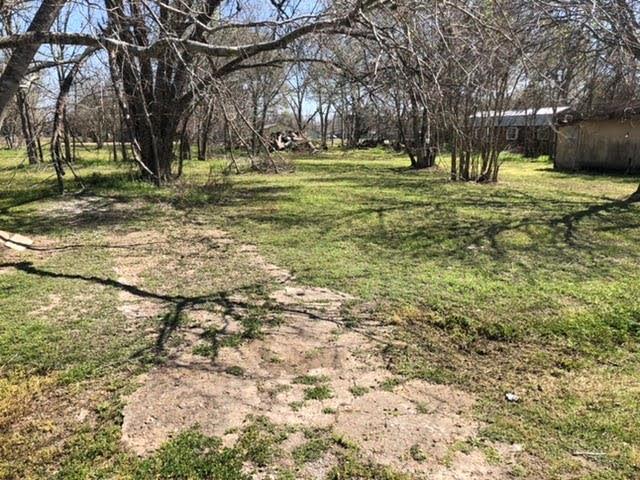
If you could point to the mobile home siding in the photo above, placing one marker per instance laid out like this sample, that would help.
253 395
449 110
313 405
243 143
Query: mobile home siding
601 145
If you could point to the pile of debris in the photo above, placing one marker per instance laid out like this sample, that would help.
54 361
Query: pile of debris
291 141
375 142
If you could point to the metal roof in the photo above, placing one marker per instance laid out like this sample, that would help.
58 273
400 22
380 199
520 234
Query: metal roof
530 117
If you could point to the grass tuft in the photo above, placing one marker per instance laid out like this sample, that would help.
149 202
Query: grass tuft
319 392
358 391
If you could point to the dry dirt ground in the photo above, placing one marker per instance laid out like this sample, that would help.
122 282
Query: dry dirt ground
307 370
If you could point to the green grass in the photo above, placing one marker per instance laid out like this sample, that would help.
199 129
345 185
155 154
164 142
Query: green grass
389 384
235 370
351 468
260 441
193 455
319 392
252 320
312 450
498 262
417 454
530 285
311 379
358 391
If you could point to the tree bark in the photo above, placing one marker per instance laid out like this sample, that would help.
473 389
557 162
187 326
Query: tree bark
27 128
203 133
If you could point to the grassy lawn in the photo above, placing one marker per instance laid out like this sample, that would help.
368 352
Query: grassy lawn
529 286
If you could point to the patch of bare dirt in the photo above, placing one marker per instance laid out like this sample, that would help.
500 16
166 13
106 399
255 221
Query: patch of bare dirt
54 301
308 371
8 255
279 274
5 270
129 269
82 205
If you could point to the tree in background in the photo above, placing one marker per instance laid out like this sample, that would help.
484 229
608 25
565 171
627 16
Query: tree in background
161 52
421 75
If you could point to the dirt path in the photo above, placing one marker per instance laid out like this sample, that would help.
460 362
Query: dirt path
306 371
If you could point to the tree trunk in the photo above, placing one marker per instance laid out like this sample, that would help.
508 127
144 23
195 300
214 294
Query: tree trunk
59 122
114 145
454 161
204 131
155 96
254 129
185 146
324 127
421 153
425 157
58 137
22 55
27 128
9 138
66 131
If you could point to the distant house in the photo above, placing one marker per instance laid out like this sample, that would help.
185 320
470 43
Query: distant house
530 132
606 140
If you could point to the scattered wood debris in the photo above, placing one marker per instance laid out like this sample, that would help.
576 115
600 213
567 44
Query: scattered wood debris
15 241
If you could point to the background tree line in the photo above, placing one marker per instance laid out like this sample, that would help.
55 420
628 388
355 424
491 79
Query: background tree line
156 80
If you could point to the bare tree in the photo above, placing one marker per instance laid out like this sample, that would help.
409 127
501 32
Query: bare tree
323 91
30 131
22 56
57 155
156 52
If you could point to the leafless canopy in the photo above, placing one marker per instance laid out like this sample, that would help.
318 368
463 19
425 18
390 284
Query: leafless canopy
416 75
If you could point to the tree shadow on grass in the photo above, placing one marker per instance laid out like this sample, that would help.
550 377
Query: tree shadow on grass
77 213
553 227
573 219
590 175
442 221
426 214
230 302
184 194
178 304
17 198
